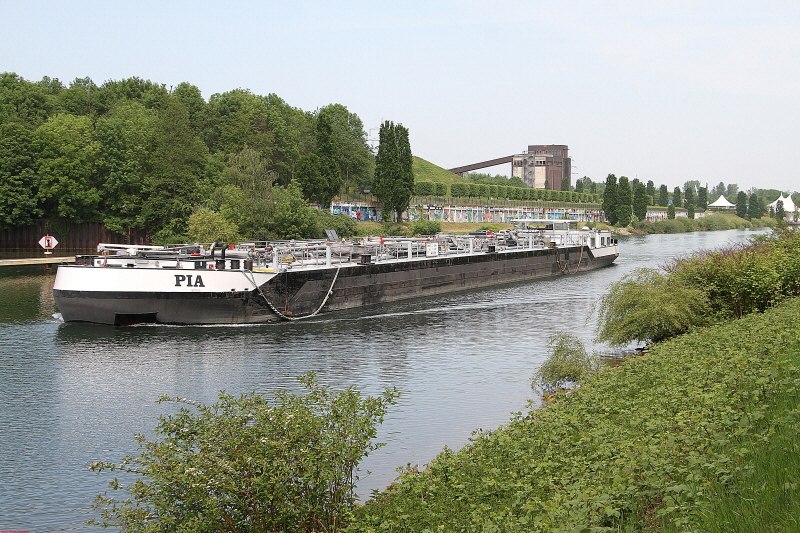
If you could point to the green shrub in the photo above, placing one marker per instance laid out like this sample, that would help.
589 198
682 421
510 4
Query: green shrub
647 306
206 225
489 227
737 280
568 364
459 190
344 225
441 189
390 228
426 227
248 463
424 188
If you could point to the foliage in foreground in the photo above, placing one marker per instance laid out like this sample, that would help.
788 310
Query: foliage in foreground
706 287
249 464
568 364
639 447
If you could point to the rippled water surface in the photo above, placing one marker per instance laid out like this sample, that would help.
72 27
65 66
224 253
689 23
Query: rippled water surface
74 394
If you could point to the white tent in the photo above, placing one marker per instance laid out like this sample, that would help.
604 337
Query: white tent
788 204
721 202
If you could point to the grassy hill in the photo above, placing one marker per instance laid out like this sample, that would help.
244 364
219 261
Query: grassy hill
427 171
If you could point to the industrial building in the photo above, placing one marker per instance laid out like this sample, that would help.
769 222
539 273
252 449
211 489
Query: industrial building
542 166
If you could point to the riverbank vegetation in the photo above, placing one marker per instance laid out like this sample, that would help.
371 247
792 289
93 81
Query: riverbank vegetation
710 222
671 441
712 286
648 446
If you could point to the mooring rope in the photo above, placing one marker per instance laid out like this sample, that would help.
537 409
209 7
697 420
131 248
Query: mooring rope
579 261
252 280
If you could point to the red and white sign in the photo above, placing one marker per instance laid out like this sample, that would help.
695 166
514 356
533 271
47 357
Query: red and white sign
48 242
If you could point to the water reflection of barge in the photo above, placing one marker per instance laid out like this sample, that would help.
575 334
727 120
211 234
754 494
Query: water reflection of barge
266 281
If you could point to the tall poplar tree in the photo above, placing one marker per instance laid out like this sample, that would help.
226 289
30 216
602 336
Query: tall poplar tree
394 176
741 204
640 197
663 196
610 200
754 209
702 198
677 201
624 202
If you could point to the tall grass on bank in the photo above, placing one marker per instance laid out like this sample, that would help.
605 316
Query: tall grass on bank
765 493
647 446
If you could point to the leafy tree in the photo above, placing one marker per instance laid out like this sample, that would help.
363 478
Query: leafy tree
671 212
690 211
237 119
192 99
150 94
175 184
309 177
610 200
640 198
663 196
780 213
17 176
24 102
676 197
127 145
206 225
651 188
690 195
66 168
249 463
702 198
754 208
568 364
646 306
290 217
741 204
565 185
624 202
329 179
354 157
81 98
731 190
394 177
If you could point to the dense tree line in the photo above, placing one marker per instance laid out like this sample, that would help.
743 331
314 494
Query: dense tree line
134 154
622 198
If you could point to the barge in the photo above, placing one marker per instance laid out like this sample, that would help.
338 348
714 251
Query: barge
260 282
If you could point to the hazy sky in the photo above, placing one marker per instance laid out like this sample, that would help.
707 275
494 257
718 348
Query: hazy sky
669 91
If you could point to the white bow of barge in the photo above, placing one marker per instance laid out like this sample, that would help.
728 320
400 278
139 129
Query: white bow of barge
260 282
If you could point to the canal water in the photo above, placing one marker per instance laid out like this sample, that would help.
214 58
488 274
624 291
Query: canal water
73 394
